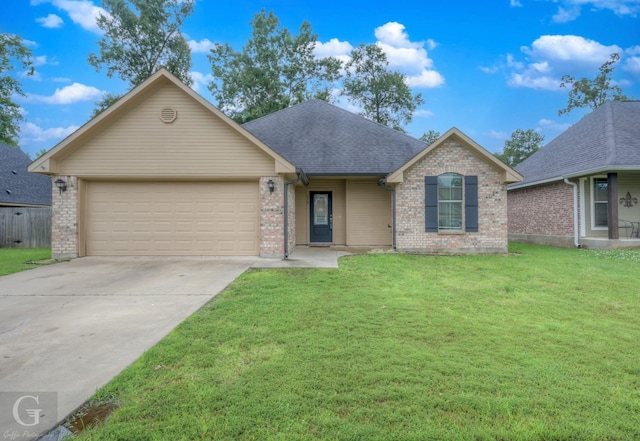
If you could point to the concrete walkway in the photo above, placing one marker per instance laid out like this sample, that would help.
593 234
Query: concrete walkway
305 257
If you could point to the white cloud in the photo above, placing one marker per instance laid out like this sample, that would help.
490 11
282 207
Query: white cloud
570 48
495 134
81 12
51 21
569 10
423 113
426 78
74 93
551 56
42 60
547 124
29 132
566 15
408 57
515 3
200 81
333 48
632 65
393 34
490 70
201 47
634 50
533 82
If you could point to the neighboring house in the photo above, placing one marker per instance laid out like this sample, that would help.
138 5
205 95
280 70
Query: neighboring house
25 202
582 189
164 172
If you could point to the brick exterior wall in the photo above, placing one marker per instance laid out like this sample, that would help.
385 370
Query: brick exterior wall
542 214
64 219
272 217
546 210
452 157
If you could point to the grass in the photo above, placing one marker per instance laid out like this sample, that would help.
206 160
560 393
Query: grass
542 344
13 260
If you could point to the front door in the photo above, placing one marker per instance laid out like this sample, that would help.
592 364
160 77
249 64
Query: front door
321 230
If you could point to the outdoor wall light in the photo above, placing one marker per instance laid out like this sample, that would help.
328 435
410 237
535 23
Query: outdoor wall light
62 185
271 186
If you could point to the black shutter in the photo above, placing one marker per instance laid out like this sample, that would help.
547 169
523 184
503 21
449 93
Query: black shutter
471 204
431 204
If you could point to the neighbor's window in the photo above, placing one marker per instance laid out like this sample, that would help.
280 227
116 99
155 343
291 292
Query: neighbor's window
600 190
450 202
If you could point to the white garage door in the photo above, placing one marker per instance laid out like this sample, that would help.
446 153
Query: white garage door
172 219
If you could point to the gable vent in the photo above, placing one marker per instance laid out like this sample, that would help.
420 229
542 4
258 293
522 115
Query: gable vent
168 115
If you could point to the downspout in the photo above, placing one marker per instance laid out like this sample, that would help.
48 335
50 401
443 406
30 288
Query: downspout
301 176
383 183
576 237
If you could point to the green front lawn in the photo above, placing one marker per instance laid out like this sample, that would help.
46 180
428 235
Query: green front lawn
542 344
13 260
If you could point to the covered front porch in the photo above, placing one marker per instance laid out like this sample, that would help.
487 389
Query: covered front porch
610 210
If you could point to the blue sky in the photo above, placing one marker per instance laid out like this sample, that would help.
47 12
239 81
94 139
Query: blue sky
485 67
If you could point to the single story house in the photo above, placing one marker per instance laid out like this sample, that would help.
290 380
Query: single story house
25 202
164 172
582 188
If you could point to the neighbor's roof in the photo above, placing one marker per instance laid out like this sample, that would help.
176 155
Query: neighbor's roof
607 139
17 185
323 139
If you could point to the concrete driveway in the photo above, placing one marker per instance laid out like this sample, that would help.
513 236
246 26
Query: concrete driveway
67 329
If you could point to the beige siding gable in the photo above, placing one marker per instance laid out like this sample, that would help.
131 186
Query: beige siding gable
197 144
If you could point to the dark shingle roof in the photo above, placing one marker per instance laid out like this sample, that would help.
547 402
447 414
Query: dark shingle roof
324 139
17 185
607 138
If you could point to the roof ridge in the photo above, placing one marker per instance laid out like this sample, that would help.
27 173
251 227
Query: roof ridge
351 114
371 121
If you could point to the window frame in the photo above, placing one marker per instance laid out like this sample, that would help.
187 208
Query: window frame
592 180
451 203
470 215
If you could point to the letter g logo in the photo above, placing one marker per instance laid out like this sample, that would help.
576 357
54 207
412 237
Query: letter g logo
34 414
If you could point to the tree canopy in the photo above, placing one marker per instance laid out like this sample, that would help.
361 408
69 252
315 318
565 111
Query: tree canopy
13 56
383 95
140 37
430 136
592 93
274 70
523 143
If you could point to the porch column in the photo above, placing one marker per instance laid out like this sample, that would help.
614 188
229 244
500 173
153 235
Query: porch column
612 205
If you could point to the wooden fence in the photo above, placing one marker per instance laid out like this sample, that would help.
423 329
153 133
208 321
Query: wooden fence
25 227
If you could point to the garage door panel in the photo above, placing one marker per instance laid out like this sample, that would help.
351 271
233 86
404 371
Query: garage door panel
172 218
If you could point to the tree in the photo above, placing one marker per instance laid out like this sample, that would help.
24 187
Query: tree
430 137
523 143
592 93
103 103
274 70
383 94
140 36
13 54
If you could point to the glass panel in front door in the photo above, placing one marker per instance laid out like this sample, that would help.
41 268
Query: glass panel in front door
321 209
